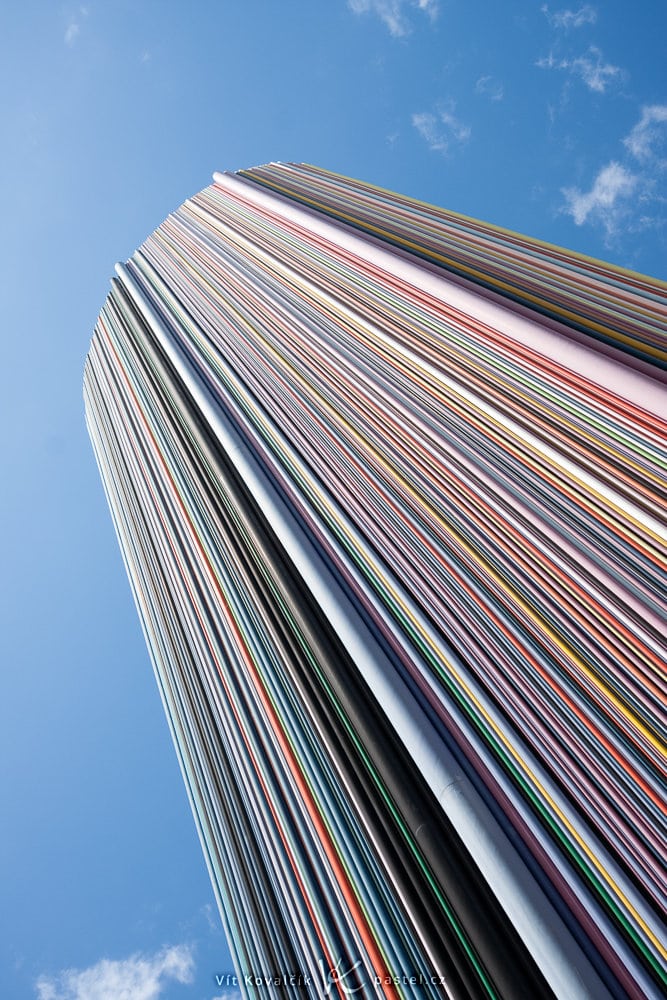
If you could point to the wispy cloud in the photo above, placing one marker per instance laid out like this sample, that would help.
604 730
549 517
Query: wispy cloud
394 13
595 73
140 977
212 918
490 88
627 197
427 126
442 128
430 7
73 29
72 32
607 200
649 132
567 19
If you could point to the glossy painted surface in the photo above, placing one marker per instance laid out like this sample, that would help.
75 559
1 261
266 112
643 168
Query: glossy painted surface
390 488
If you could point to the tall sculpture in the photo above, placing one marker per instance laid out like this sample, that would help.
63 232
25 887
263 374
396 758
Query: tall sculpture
389 484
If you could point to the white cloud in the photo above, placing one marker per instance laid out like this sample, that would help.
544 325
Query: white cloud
72 33
595 73
571 18
430 7
606 202
441 129
550 62
212 917
628 198
491 88
649 132
73 29
427 126
393 12
140 977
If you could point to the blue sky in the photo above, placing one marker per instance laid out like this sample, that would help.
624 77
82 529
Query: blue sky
551 120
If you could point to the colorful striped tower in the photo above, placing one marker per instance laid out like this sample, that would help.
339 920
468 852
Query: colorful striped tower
390 488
